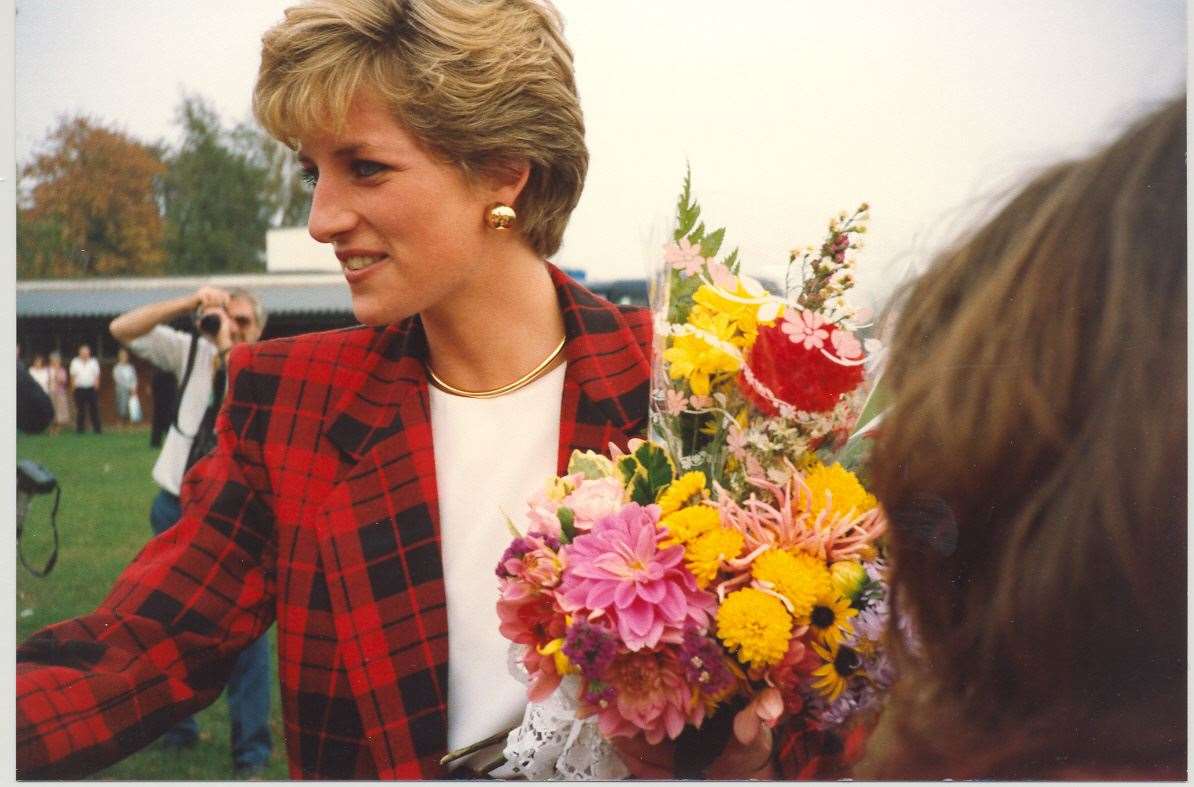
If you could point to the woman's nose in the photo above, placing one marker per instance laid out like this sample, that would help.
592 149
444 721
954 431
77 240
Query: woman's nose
330 215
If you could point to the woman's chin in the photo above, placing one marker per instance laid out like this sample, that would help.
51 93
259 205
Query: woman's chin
376 315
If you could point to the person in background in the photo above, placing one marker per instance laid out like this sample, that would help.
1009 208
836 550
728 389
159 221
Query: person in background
1033 465
40 372
59 382
85 382
124 376
35 411
146 332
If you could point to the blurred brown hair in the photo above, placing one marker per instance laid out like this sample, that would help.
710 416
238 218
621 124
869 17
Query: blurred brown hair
1033 466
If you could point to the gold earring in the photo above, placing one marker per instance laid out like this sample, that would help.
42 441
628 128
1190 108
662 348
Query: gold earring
500 217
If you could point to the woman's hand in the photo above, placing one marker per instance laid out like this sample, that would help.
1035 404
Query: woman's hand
737 760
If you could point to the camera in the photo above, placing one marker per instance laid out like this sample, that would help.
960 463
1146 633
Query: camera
209 324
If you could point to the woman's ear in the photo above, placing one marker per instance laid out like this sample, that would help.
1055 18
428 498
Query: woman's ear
505 179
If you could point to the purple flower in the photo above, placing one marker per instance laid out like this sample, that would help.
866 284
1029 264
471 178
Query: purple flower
512 556
589 648
704 664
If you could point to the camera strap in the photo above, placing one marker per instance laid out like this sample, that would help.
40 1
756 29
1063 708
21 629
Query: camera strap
182 386
49 566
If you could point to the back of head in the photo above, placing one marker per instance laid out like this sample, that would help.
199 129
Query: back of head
1033 466
481 83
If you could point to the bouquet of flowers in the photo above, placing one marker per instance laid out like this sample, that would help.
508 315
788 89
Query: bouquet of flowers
728 563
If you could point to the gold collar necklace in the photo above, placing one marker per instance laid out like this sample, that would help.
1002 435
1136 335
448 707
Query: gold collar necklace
521 382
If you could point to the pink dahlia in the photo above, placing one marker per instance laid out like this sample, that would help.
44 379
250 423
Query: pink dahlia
649 695
617 569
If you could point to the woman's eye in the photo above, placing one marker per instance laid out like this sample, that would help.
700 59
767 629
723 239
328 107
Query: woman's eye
366 169
310 176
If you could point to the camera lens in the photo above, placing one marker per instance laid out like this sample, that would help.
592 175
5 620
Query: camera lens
210 324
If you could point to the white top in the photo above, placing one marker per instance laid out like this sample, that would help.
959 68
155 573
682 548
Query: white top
42 375
491 455
125 375
167 348
84 374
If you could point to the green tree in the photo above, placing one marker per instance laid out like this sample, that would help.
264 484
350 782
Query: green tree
88 205
288 198
213 195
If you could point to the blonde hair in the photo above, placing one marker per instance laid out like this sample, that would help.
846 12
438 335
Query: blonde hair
1033 467
481 83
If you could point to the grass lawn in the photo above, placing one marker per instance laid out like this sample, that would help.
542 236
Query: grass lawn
103 521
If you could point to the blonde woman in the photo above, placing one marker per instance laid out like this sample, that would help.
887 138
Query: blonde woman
356 492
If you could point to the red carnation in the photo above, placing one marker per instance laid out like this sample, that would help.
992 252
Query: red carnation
799 375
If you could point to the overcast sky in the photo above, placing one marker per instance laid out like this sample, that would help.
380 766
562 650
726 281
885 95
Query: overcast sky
787 111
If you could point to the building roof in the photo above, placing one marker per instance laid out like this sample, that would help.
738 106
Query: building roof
281 293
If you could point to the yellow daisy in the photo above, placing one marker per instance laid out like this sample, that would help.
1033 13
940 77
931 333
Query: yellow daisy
830 618
841 663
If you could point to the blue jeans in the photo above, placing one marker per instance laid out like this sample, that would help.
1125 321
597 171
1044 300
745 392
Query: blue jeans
248 687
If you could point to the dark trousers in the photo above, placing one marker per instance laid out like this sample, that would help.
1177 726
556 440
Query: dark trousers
87 402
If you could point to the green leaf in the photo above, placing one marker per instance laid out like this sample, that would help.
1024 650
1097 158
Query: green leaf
592 466
732 262
658 470
696 236
680 301
567 524
640 489
627 466
711 243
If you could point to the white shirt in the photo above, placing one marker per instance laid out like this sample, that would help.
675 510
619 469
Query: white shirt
167 349
491 455
84 374
125 375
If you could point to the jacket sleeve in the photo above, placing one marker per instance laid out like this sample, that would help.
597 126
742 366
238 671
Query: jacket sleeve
162 644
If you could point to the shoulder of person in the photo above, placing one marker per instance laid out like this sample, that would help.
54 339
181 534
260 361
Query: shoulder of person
315 356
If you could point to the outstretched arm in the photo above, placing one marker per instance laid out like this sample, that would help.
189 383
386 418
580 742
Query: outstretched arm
137 322
162 644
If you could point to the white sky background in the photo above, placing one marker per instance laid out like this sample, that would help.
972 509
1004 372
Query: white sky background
787 111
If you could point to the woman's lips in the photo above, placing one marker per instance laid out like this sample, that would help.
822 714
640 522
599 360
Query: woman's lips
357 268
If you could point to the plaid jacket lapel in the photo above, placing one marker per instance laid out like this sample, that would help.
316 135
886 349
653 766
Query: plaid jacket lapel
379 527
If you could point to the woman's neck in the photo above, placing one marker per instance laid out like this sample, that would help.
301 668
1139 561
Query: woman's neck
498 329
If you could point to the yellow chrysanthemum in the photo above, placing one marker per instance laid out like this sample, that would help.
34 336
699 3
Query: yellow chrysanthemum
692 358
686 489
799 577
743 316
841 663
848 577
830 618
836 489
689 523
704 554
754 625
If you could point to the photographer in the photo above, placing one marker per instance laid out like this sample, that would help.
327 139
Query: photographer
222 319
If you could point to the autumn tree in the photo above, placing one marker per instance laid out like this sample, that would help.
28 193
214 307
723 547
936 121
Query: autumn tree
213 197
88 205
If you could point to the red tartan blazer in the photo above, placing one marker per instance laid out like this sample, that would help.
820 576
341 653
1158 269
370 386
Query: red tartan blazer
317 510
